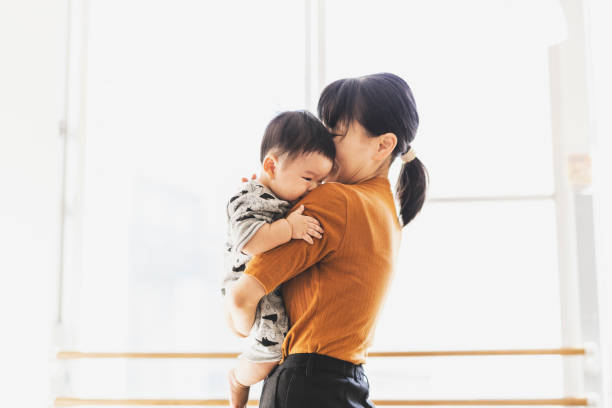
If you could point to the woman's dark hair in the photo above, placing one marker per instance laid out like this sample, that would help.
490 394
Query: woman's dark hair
381 103
297 132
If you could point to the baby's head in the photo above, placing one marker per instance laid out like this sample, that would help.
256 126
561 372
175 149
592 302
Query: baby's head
297 153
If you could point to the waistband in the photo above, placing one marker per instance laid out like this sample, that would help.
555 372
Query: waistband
314 362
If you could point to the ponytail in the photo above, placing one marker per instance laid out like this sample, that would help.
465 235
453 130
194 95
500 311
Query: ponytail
411 188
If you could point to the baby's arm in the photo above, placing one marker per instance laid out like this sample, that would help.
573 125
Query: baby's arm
271 235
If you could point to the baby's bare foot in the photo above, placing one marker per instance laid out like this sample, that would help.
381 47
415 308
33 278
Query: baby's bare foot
239 394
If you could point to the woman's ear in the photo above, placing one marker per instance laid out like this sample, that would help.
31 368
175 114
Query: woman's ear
385 145
269 165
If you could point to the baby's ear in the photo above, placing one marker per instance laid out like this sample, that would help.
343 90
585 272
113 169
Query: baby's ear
269 166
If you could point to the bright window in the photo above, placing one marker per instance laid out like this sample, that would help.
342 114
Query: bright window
177 97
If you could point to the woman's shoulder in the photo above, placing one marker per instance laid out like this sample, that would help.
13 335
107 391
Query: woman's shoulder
328 197
328 203
334 189
337 191
331 191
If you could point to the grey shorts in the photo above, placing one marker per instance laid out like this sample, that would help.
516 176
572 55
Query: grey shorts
269 330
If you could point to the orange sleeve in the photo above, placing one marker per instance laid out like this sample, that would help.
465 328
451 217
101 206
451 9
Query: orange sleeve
327 203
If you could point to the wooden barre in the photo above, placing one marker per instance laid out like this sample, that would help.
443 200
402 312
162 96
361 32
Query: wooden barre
67 402
560 351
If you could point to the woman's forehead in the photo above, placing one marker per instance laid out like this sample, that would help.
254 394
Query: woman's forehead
340 127
343 128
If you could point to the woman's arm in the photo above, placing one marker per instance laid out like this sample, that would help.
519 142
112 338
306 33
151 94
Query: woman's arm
268 270
241 303
228 318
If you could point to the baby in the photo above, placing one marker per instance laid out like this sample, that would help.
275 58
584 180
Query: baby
297 154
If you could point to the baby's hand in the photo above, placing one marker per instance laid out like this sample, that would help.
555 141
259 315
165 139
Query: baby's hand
253 177
303 226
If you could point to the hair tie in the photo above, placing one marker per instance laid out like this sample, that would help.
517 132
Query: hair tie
409 156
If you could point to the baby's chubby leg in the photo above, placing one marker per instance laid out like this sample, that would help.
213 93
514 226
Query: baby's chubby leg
243 376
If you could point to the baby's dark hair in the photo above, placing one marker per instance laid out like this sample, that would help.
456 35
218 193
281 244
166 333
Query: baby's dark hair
295 133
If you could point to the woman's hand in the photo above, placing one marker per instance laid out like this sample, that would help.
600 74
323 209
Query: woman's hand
253 177
303 226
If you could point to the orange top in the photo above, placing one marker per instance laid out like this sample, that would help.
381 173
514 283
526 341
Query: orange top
334 289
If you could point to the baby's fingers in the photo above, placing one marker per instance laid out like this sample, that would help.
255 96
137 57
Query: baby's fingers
299 210
253 177
315 227
308 239
314 233
312 220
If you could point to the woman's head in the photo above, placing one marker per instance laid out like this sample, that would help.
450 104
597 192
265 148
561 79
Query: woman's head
374 120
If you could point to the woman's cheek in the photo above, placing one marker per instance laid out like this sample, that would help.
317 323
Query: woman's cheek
342 164
339 158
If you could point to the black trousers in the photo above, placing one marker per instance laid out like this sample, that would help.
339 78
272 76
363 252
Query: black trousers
309 380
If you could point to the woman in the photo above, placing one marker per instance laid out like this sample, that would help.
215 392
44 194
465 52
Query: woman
334 289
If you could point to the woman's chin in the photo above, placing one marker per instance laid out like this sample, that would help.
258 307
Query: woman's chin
332 178
336 179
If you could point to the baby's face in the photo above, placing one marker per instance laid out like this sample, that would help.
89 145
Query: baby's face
294 178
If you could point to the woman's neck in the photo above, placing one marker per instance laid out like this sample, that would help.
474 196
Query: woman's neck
380 171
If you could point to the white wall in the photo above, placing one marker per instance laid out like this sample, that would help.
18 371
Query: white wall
600 13
31 57
31 81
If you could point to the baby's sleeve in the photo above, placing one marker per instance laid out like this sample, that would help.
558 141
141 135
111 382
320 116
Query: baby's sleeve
244 221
